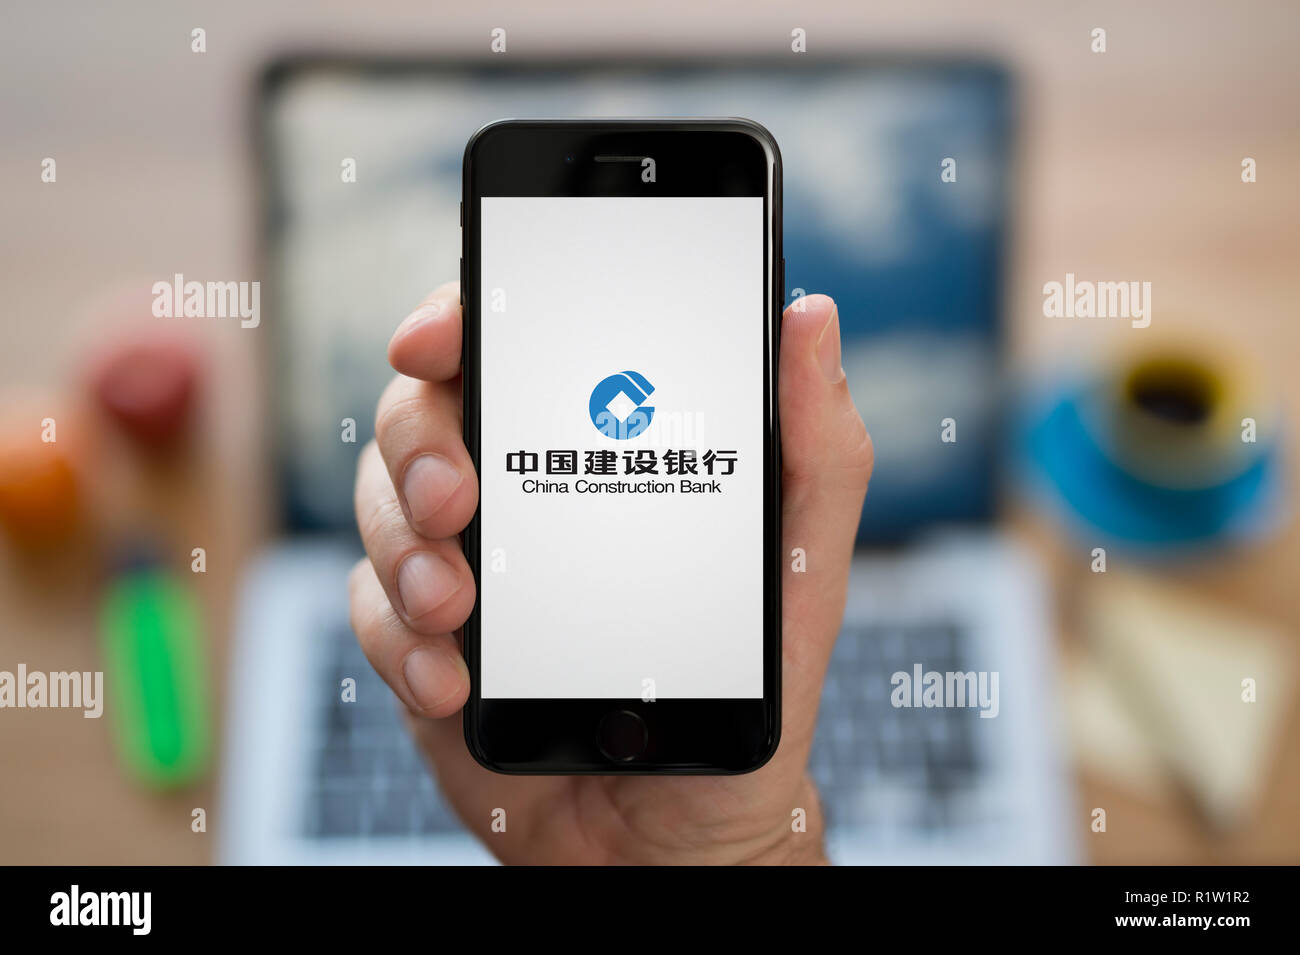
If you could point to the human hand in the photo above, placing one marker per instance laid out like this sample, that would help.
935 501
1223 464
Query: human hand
416 490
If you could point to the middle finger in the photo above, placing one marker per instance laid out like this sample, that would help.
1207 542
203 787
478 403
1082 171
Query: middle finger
428 582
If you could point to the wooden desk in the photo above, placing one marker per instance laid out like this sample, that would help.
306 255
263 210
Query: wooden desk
1129 169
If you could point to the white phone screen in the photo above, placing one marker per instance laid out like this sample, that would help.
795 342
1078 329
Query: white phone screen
622 424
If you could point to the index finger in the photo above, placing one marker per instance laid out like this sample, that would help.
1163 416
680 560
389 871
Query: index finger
427 343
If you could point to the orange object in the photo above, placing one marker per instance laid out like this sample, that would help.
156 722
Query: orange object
38 491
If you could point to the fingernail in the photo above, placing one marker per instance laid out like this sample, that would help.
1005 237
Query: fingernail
424 313
424 582
430 675
429 480
828 348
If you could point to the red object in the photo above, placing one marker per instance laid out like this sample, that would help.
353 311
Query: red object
148 388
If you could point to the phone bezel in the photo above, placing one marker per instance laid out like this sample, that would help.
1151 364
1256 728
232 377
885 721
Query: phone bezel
704 157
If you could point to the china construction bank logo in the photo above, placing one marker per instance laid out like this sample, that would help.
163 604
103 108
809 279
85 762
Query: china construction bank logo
618 405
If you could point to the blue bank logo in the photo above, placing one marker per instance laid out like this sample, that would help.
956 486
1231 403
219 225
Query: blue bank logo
618 408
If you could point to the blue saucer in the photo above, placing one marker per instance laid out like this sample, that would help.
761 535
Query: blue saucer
1107 499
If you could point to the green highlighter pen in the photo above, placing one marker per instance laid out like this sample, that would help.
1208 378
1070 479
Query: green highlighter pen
155 683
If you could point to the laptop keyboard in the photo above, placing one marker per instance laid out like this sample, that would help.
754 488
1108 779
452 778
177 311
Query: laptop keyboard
883 768
368 779
877 768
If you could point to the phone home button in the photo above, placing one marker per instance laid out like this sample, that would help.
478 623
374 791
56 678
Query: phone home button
622 735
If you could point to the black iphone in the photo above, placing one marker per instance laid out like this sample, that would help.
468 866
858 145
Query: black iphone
622 284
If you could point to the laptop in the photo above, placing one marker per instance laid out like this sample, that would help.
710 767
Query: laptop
873 216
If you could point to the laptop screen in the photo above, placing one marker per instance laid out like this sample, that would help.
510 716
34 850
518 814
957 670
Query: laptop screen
895 204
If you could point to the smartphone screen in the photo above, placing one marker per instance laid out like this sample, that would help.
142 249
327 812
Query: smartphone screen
622 448
621 289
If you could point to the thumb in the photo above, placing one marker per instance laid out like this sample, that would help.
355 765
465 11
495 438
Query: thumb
826 463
